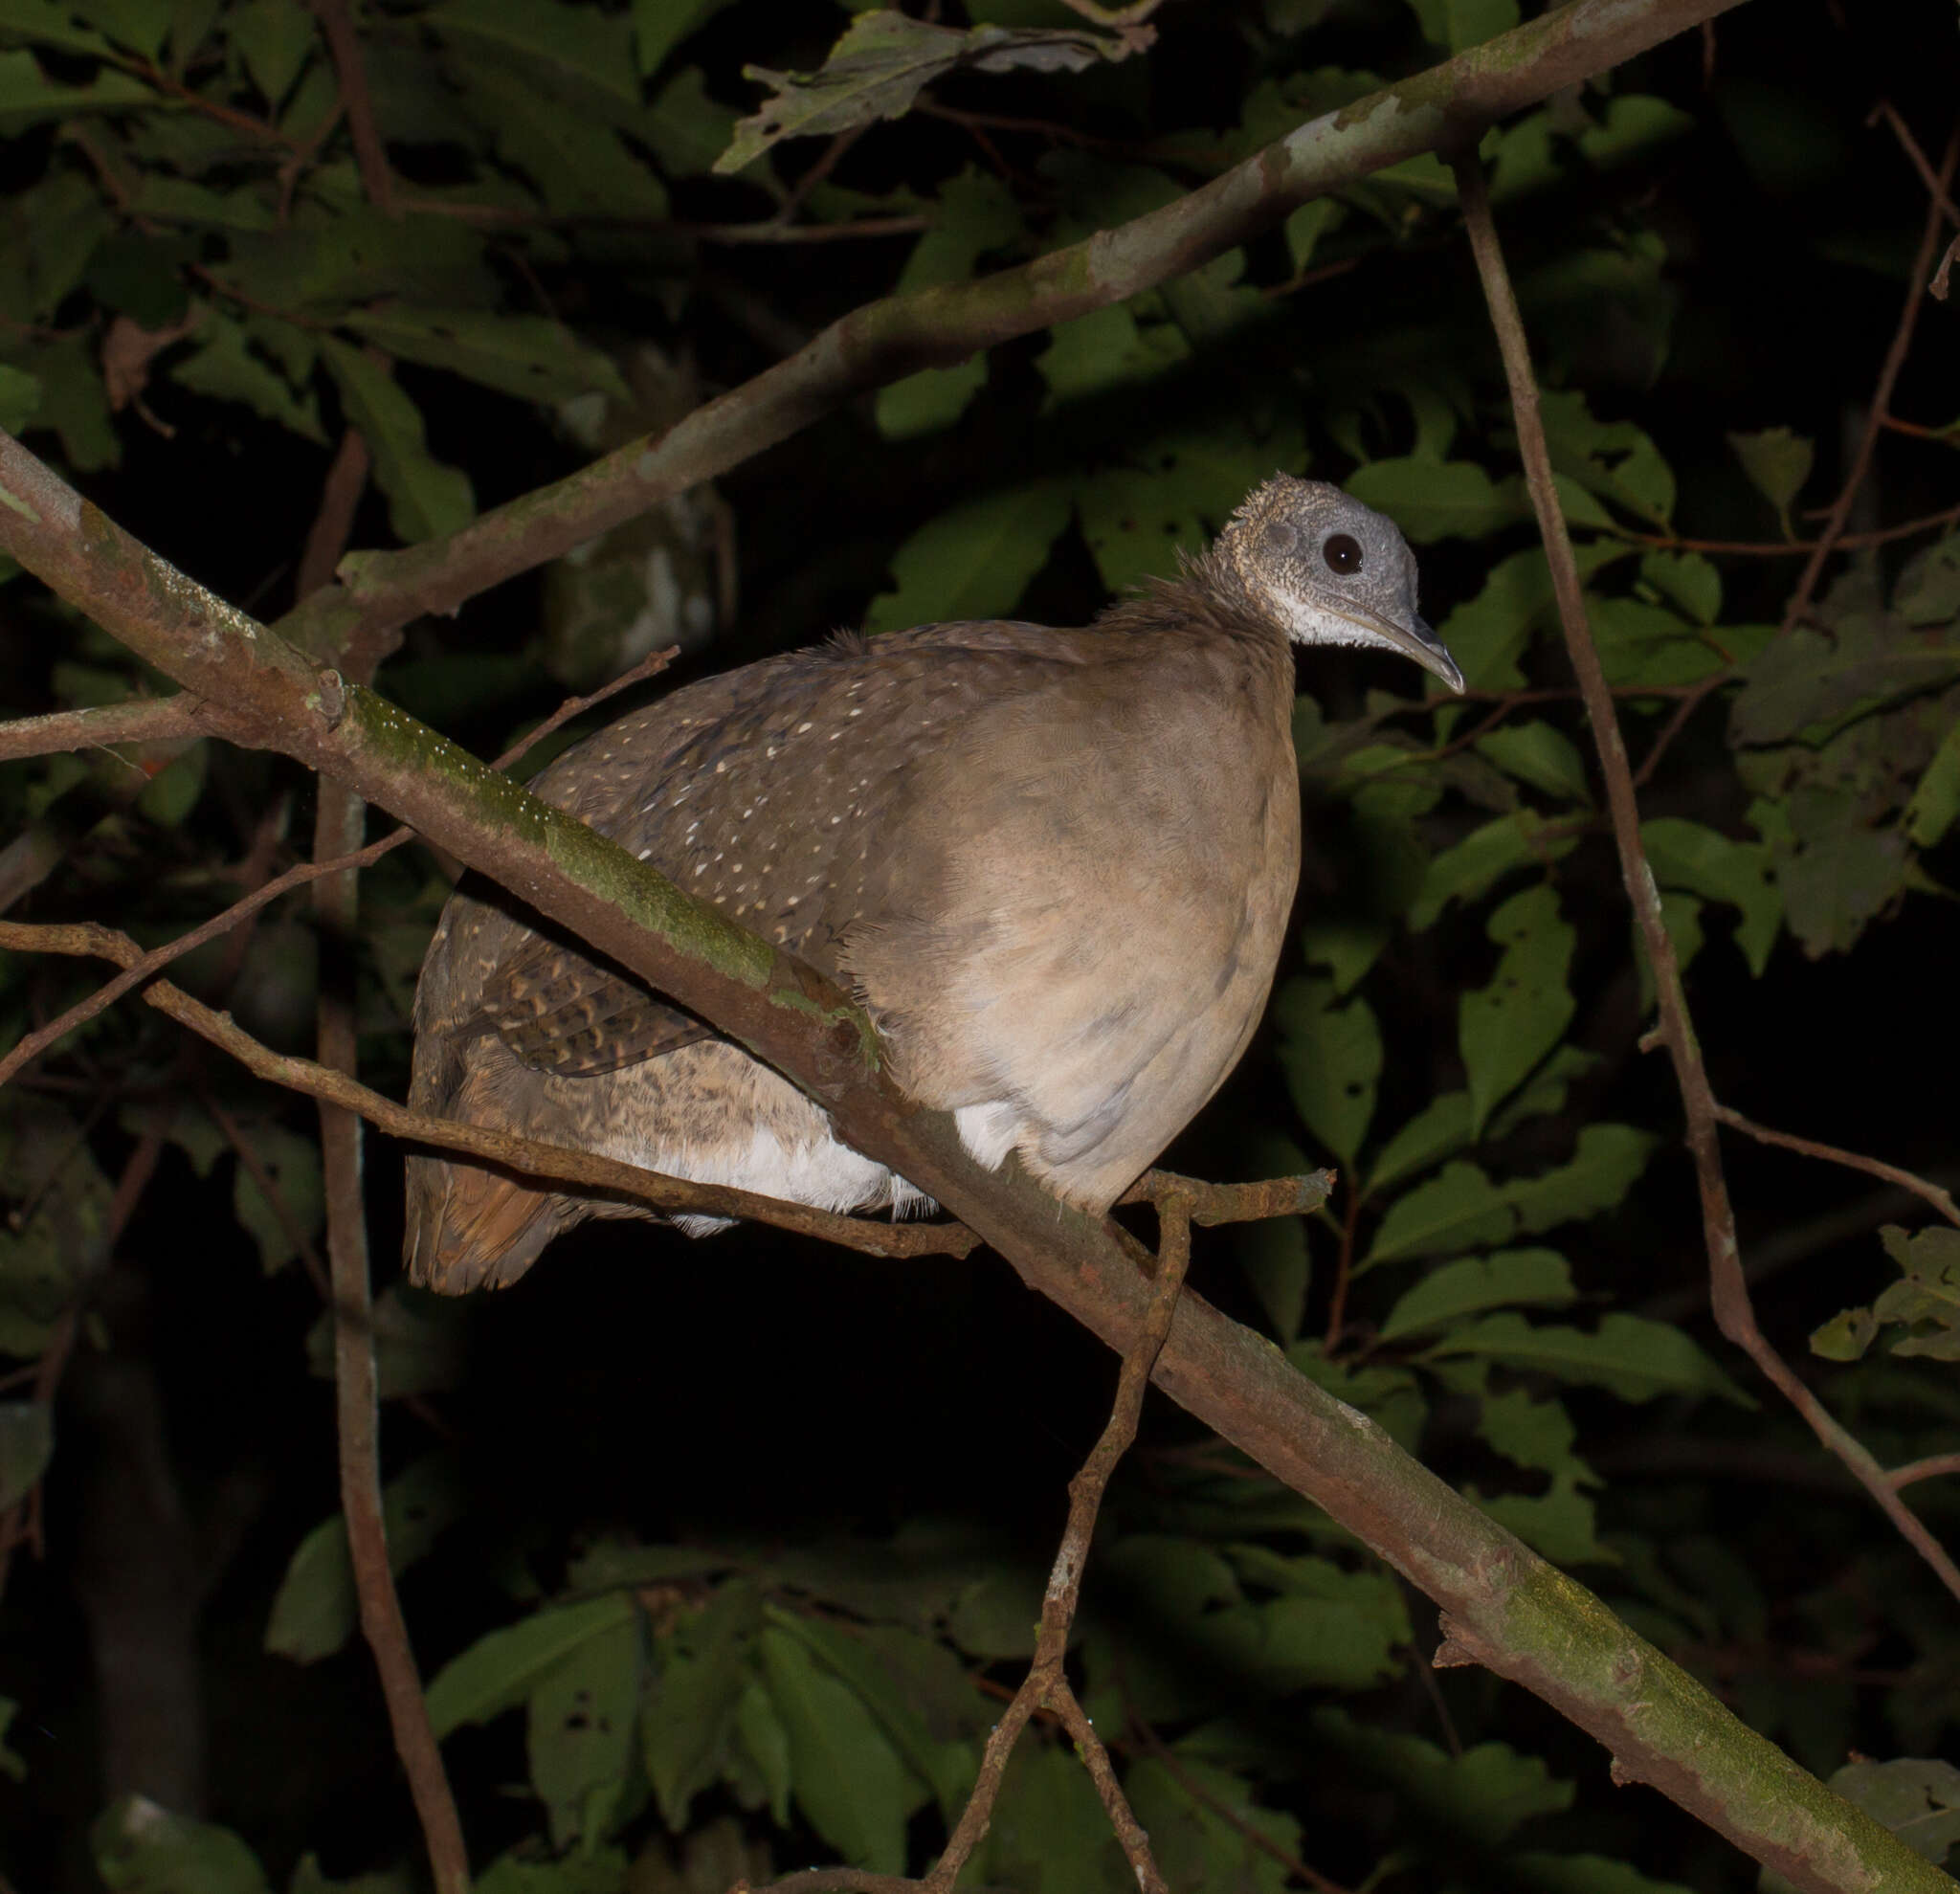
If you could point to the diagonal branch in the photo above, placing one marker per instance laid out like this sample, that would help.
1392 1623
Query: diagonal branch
940 327
1729 1289
1525 1619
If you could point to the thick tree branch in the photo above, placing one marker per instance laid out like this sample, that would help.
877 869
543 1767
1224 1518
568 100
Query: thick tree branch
938 327
1522 1618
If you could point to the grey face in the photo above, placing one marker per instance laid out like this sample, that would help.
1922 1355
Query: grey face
1332 572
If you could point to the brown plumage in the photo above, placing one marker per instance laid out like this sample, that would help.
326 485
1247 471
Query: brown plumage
1055 865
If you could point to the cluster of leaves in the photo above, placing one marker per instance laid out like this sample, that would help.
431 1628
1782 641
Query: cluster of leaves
191 244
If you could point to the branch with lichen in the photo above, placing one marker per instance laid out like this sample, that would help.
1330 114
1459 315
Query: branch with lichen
1517 1614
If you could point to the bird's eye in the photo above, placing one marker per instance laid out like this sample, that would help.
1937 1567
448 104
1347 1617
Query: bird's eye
1343 554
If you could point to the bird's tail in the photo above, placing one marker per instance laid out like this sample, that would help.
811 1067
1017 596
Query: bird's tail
470 1226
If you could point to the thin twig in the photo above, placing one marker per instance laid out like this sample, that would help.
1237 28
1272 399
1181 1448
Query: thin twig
134 974
1046 1684
1932 1467
1675 723
1915 156
333 523
1881 393
141 720
1729 1289
1148 1739
591 1173
350 72
1942 1200
293 1231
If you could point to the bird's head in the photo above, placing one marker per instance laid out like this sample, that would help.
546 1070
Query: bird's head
1329 571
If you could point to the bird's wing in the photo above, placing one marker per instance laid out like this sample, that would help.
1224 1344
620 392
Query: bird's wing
560 1011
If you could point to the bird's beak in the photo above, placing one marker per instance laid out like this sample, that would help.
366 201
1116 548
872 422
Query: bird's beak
1415 639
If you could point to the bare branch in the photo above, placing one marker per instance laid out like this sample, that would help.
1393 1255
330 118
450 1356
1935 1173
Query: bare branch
1730 1293
141 720
1941 1199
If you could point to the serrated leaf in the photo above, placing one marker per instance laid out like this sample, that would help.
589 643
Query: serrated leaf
1778 463
1804 678
1458 1209
1613 458
1432 500
974 560
1332 1057
1504 1029
140 1848
1637 1359
579 1733
1691 855
1917 1798
1846 1336
315 1611
660 26
529 356
1527 1279
1602 1170
883 62
847 1778
500 1672
578 43
425 499
1482 858
224 366
578 162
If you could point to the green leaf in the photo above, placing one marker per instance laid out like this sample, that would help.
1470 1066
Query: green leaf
1613 459
1917 1798
685 129
1804 678
1687 581
1541 755
1846 1336
1332 1059
579 1733
1634 124
1205 1828
1455 25
275 38
1778 463
1481 858
49 23
660 26
1602 1170
579 163
1440 1128
27 1444
1458 1209
1641 643
1432 500
1936 800
1838 873
882 64
425 499
972 561
315 1611
1691 855
849 1781
1476 1798
603 1871
1583 1874
291 1165
1504 1029
1388 1396
224 366
1273 1254
548 37
529 356
765 1747
500 1672
140 1848
1929 588
975 213
26 94
20 394
1530 1279
1636 1359
691 1718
